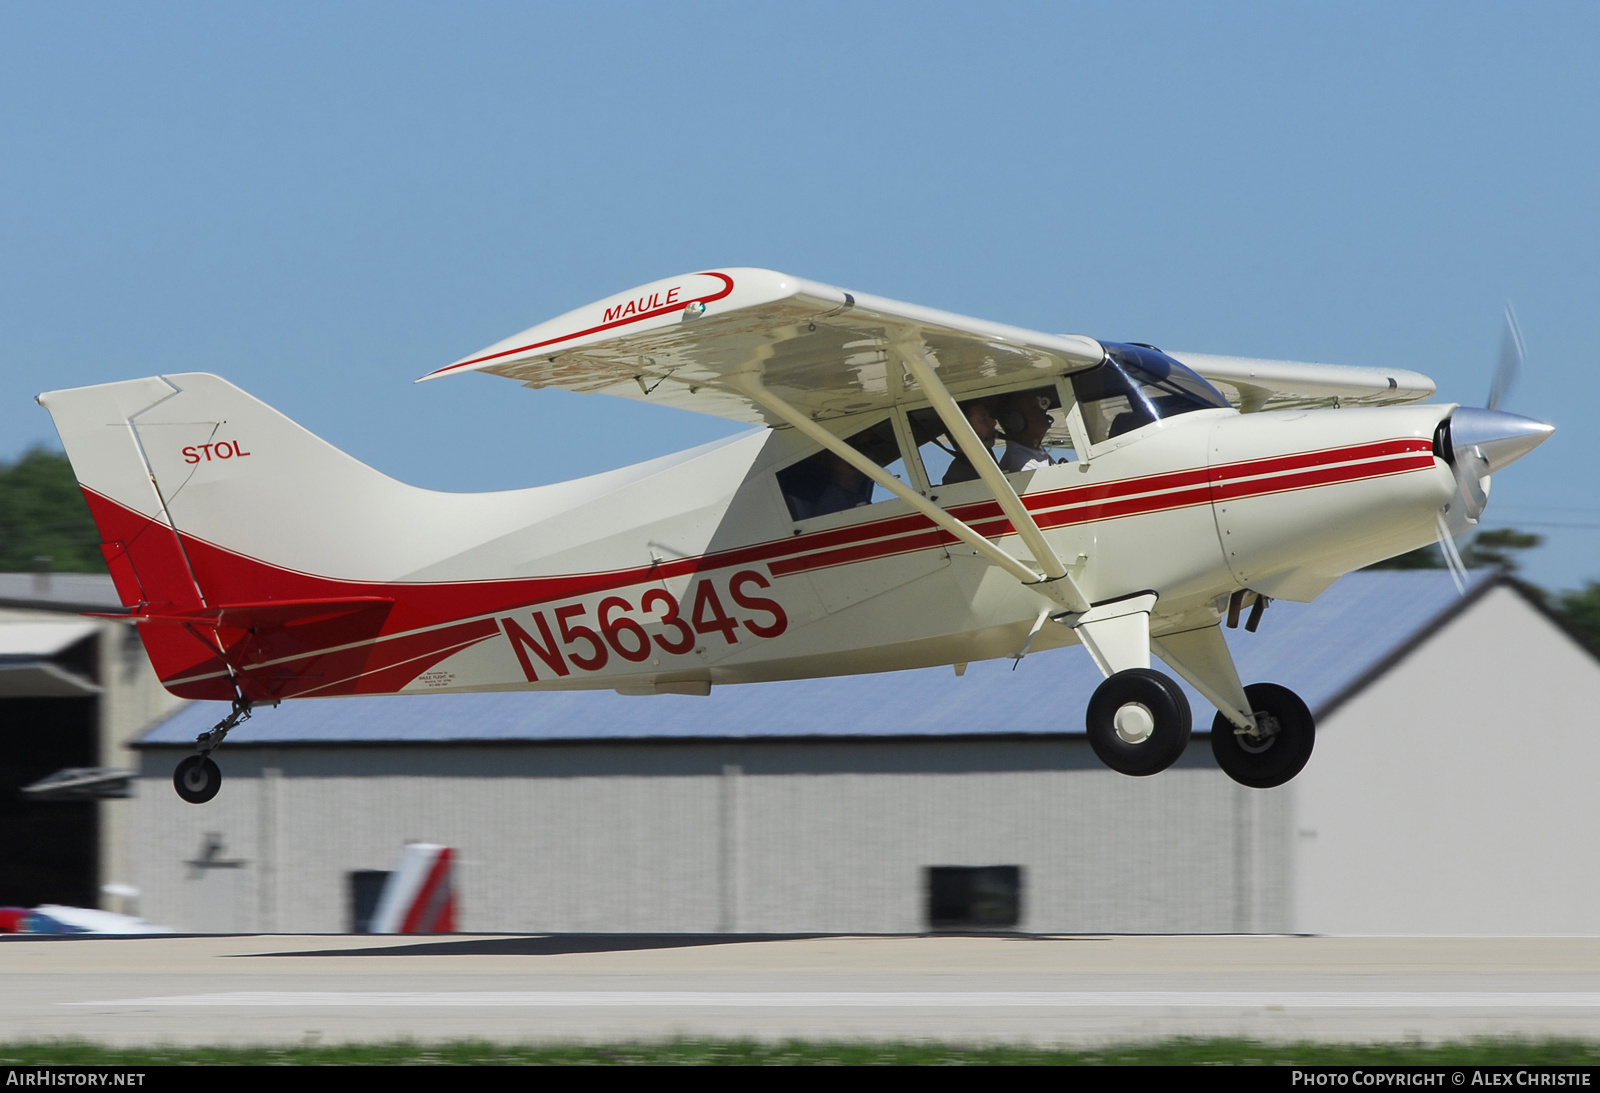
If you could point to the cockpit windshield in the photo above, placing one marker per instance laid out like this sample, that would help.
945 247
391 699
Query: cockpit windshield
1135 386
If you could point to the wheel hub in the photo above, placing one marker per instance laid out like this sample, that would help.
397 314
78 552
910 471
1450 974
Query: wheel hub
1264 737
1134 722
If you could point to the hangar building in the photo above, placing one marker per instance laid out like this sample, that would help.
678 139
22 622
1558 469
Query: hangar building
73 692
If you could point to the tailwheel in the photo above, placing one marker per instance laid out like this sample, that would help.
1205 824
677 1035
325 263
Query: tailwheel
1281 748
1138 722
197 779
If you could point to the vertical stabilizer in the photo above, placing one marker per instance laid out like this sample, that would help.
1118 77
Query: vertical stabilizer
97 427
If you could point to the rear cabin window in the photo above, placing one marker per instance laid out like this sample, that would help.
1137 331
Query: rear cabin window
824 483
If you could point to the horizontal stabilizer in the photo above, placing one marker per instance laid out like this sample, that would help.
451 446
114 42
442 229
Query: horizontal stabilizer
272 613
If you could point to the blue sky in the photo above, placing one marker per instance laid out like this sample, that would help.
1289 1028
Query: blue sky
321 202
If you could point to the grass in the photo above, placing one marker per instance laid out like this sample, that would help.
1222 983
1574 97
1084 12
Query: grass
1183 1052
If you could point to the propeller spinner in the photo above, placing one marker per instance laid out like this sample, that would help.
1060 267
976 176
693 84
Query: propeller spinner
1476 443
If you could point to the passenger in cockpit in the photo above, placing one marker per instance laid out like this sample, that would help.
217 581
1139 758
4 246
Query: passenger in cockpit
980 415
847 487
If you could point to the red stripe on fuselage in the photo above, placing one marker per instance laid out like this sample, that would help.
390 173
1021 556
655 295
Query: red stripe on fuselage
1113 508
1280 463
1324 476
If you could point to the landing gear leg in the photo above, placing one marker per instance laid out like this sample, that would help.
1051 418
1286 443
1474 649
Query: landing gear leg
1138 719
198 778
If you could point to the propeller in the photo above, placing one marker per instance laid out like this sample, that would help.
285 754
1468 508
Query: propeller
1477 443
1509 366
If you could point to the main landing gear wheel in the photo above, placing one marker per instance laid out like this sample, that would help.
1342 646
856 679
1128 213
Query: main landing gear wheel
197 779
1280 752
1138 722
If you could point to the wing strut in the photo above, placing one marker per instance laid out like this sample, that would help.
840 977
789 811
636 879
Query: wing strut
1063 588
1056 591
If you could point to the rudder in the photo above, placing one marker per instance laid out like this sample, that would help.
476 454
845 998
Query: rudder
142 551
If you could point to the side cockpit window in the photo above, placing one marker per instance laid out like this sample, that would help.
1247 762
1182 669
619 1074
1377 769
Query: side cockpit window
1023 430
1019 430
824 483
1135 386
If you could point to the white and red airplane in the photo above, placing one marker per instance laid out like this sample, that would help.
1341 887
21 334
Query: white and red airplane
870 524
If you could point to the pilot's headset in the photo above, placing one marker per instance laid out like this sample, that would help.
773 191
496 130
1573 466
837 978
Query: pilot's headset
1009 416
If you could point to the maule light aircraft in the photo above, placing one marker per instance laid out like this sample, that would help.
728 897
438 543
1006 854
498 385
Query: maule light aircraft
924 489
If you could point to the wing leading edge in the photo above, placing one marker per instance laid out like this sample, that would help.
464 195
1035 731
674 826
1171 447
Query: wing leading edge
702 341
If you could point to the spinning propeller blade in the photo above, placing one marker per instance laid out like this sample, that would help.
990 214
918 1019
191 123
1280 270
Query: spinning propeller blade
1509 367
1479 442
1452 556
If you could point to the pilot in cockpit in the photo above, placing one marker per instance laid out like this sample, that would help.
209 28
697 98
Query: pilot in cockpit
1025 419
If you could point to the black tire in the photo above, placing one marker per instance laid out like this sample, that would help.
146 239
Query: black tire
197 779
1168 709
1281 756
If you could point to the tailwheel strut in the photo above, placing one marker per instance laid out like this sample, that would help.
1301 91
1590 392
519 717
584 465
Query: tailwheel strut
198 778
207 742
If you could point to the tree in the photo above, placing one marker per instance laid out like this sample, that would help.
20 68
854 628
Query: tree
1497 547
1581 610
1490 547
44 520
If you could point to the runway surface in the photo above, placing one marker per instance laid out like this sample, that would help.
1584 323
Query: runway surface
1046 990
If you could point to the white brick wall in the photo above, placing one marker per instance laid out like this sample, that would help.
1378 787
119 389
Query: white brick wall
779 837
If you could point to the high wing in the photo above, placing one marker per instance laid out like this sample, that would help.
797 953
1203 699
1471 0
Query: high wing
702 341
699 342
1252 384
